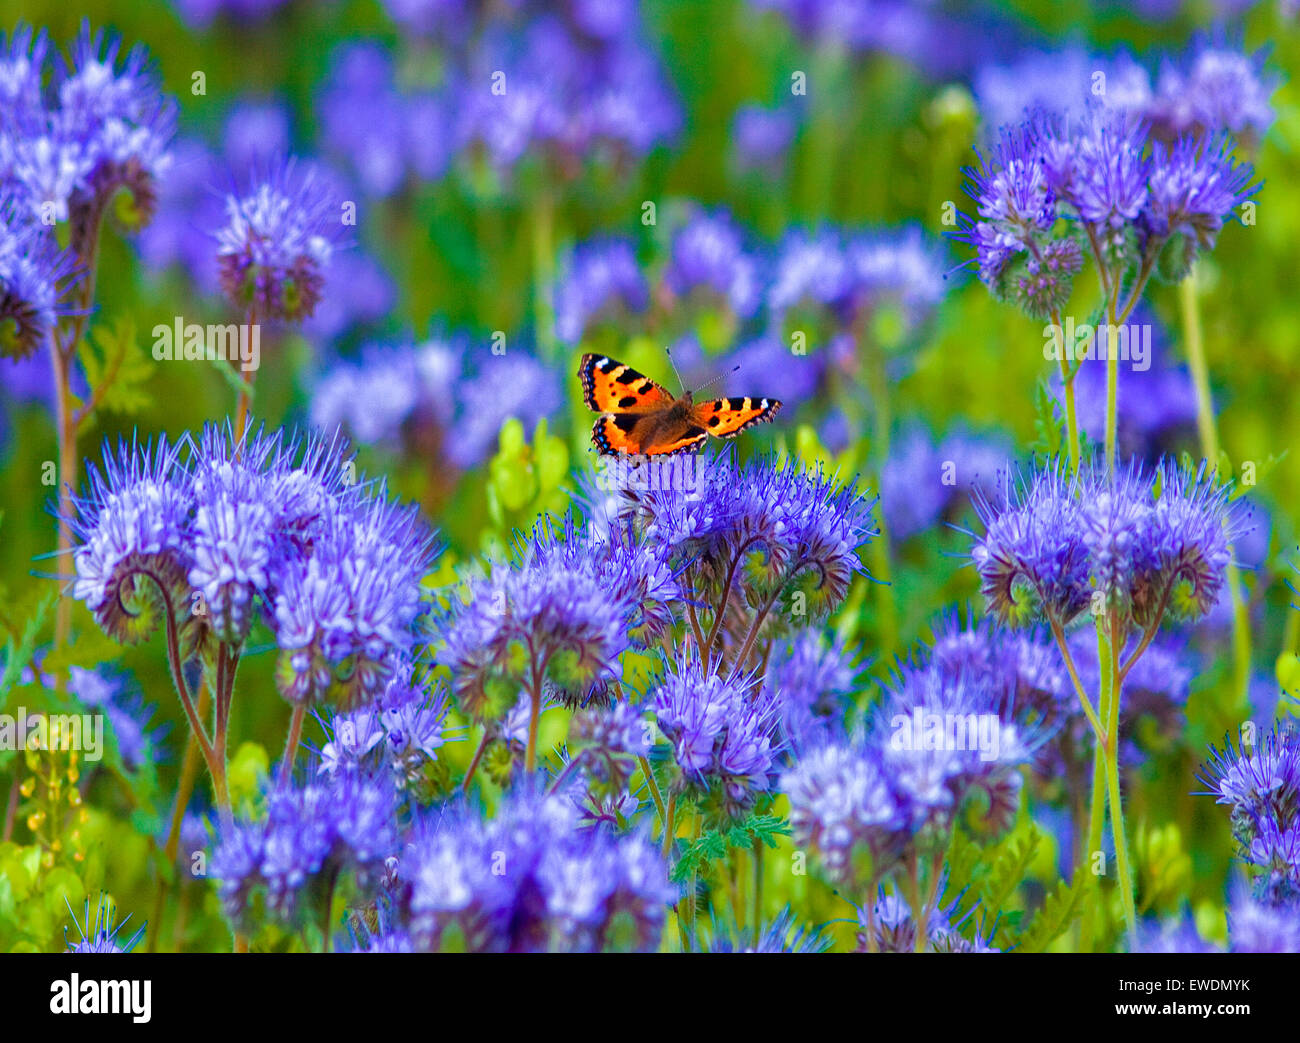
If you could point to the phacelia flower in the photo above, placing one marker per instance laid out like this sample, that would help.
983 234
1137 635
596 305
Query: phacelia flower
277 242
34 276
761 138
103 935
783 933
708 253
310 835
1196 184
842 805
1060 539
553 613
723 733
530 880
603 280
133 561
813 679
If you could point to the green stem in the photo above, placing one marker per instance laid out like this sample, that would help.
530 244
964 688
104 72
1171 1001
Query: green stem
1112 388
1207 427
1067 385
1112 765
473 764
544 274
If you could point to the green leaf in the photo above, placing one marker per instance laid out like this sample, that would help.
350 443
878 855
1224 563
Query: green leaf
116 368
19 656
1065 904
1009 869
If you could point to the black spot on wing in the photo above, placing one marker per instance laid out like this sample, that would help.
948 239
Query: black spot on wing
627 403
628 376
624 422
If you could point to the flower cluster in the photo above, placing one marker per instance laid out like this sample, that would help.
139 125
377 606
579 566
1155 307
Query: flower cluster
783 523
923 483
1212 89
110 129
398 735
1261 789
277 242
414 397
566 609
292 858
530 880
722 731
1136 203
1144 544
213 533
948 731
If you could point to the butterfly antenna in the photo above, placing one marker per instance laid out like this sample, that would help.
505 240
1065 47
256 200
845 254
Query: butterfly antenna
734 369
680 382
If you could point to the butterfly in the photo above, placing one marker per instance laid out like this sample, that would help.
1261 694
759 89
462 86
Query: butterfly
638 416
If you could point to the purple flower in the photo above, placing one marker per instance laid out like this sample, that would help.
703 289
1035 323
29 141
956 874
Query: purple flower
103 935
1255 925
708 253
233 530
1058 82
530 880
1261 789
389 387
922 483
603 278
1219 90
783 933
277 242
805 526
813 679
516 385
309 836
761 138
128 715
34 277
22 67
1171 936
256 133
347 612
945 735
1058 539
399 734
556 612
364 118
842 804
1195 186
888 926
723 731
544 90
810 268
133 558
1096 166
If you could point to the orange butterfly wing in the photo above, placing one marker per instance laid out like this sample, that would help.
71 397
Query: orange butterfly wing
727 417
609 386
632 434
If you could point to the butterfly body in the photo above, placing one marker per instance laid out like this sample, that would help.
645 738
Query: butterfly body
639 417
